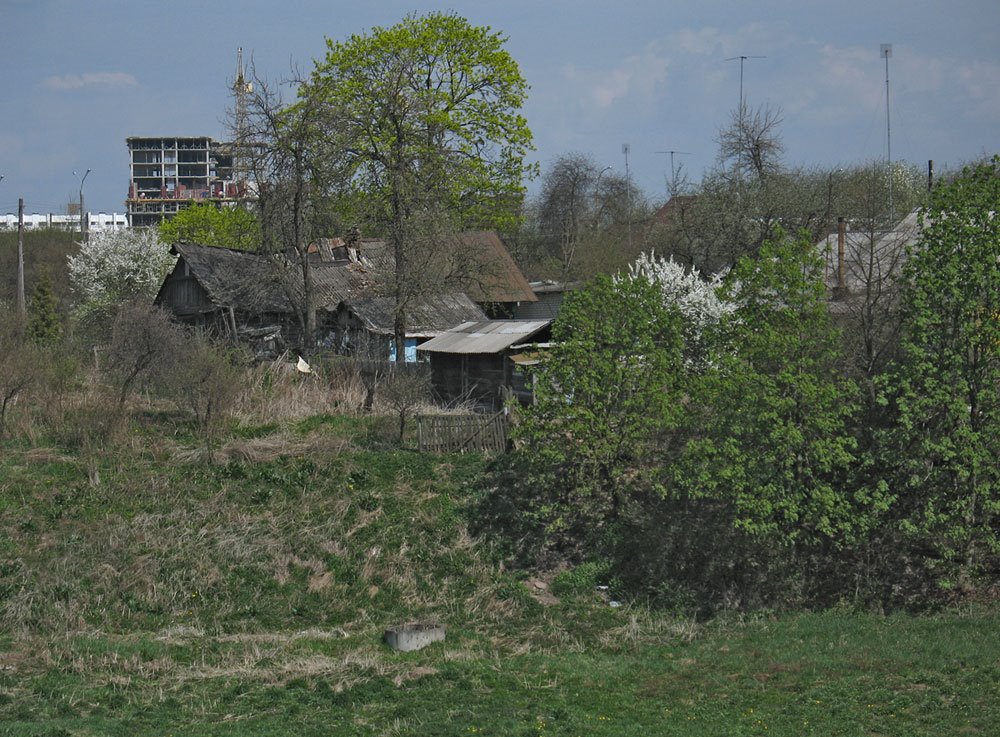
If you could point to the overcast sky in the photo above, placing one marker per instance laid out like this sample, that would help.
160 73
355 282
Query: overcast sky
79 77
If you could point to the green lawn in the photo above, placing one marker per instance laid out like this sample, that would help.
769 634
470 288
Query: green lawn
639 674
145 595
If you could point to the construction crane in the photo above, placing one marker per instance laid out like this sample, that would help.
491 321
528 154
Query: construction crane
241 90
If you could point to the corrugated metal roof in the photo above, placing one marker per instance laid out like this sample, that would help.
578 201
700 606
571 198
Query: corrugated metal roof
490 336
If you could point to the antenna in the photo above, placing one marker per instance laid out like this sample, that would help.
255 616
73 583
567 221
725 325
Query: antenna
885 50
626 148
743 58
673 171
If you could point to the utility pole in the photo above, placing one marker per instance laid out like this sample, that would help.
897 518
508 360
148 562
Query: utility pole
886 52
21 308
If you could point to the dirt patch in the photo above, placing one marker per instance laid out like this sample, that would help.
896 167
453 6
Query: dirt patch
540 592
413 675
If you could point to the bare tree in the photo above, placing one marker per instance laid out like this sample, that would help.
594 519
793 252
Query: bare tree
750 145
875 252
18 365
567 205
583 214
206 380
291 153
144 347
405 389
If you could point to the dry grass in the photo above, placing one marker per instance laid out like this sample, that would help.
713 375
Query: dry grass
277 393
46 455
281 444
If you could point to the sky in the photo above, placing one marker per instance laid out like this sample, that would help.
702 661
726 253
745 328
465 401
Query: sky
80 77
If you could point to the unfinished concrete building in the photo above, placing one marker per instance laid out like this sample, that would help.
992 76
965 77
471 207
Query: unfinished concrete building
167 174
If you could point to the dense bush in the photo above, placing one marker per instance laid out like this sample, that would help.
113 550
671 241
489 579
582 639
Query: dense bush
755 477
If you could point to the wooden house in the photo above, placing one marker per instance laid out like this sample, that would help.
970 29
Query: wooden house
550 295
252 297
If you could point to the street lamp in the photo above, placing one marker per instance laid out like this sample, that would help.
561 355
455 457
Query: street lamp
83 232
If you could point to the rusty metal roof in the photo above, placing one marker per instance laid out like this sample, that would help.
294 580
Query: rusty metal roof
487 336
500 279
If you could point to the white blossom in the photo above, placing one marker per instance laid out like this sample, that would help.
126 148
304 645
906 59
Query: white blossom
696 298
117 265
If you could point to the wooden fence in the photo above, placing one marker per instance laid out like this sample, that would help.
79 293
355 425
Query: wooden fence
461 433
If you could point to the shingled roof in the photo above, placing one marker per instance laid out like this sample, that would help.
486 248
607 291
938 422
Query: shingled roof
233 278
254 282
425 319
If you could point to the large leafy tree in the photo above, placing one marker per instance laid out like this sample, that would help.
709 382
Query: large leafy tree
429 124
947 387
773 442
229 227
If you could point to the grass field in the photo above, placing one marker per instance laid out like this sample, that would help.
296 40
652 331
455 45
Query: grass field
145 594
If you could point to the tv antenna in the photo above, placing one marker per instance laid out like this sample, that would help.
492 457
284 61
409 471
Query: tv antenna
885 50
673 171
743 58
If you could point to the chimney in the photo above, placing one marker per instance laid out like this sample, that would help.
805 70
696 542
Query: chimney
930 174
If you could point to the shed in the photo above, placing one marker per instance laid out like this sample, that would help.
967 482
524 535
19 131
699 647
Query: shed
473 361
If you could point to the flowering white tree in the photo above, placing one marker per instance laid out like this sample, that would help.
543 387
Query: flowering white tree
117 266
695 298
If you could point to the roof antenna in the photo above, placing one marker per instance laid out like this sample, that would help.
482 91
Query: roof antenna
673 171
743 58
886 52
